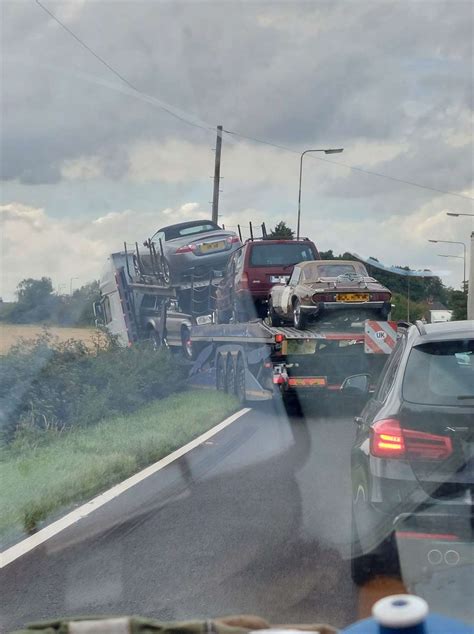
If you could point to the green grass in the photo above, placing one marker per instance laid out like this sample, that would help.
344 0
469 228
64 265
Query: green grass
71 467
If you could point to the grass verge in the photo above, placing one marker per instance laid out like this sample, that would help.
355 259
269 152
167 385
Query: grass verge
75 465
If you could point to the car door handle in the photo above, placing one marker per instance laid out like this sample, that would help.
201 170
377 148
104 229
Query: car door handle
358 420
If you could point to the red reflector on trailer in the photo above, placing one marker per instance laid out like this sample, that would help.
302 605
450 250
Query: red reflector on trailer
308 381
437 536
279 338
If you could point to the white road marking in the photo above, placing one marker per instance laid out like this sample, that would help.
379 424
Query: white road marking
28 544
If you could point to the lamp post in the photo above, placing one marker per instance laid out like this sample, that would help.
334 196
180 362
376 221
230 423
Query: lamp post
470 290
327 151
463 257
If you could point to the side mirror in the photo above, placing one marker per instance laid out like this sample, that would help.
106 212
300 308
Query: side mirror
356 385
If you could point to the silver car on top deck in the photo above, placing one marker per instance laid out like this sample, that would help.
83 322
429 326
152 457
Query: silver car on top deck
196 247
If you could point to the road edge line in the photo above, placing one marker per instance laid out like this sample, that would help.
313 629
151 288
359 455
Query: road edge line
29 543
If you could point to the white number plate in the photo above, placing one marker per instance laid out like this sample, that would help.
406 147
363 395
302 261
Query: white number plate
204 319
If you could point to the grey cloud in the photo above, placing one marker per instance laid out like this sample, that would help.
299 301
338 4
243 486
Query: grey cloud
433 164
347 79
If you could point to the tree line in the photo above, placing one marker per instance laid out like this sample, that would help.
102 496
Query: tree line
38 303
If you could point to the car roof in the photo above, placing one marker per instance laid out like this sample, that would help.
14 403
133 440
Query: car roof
442 331
267 241
191 223
323 262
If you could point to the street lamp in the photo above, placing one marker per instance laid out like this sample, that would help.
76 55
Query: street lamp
463 257
328 151
451 213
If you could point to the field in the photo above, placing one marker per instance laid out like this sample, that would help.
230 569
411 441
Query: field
12 333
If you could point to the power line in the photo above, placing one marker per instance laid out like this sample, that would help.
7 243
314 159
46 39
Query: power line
115 72
351 167
234 133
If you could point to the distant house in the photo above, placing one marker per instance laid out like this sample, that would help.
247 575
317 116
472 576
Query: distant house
440 315
437 312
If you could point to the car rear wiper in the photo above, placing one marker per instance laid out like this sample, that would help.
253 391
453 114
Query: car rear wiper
465 397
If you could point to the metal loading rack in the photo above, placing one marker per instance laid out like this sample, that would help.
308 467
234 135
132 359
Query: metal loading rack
259 331
148 273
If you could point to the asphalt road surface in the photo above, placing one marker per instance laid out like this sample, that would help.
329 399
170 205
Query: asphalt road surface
256 520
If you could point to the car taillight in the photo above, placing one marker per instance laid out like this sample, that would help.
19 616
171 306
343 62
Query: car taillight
244 281
323 297
232 239
380 297
386 439
189 248
426 446
389 440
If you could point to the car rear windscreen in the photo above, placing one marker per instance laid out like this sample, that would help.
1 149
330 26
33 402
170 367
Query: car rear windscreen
179 232
315 271
280 254
441 373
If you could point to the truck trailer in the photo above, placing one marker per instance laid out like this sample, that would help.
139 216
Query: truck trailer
257 361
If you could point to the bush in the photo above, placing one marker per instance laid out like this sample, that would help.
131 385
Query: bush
46 385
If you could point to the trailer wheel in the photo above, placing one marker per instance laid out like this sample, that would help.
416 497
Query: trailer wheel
299 318
220 373
186 343
240 380
230 375
154 339
273 318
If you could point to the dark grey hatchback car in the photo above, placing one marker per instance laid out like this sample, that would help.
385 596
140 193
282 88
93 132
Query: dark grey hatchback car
412 460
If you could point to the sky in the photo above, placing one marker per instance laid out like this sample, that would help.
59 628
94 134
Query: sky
92 157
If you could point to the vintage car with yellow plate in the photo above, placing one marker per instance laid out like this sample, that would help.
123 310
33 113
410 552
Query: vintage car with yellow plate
332 290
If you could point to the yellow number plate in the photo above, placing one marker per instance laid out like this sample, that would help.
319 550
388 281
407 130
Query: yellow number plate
212 246
352 297
308 381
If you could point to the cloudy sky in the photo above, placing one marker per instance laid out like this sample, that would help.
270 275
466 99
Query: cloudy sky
88 162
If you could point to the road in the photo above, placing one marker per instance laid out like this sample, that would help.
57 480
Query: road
256 520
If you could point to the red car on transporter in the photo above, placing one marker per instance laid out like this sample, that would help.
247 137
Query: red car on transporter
251 272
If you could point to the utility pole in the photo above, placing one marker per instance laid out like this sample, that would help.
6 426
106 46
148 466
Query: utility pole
217 176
